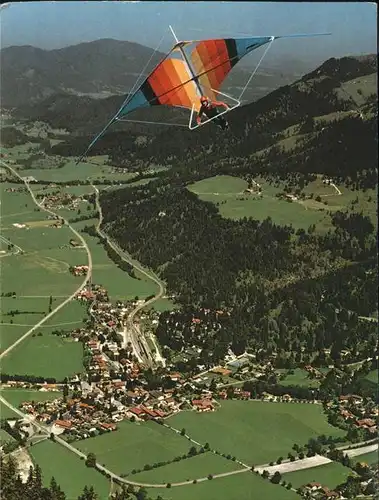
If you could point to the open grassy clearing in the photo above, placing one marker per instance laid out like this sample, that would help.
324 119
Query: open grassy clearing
244 486
134 445
32 274
373 376
220 184
367 458
189 469
69 172
141 182
18 396
329 475
234 204
164 305
23 151
5 437
300 378
118 282
14 202
12 327
255 432
49 355
359 88
69 471
227 193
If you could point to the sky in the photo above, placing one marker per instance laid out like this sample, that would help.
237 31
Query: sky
51 25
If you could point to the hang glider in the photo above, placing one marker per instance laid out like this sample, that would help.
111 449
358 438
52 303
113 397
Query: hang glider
191 69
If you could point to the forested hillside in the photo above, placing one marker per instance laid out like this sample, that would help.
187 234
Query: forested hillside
278 288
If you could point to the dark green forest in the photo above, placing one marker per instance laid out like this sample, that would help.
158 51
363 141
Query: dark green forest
280 290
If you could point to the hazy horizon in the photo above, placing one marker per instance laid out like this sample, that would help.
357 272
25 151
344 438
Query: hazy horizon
54 25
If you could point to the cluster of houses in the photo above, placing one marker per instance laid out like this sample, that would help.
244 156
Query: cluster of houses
313 372
79 270
353 410
62 200
318 491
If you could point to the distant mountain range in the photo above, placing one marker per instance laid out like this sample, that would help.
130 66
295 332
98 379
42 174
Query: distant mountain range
107 67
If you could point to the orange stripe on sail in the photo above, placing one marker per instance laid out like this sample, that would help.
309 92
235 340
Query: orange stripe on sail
212 54
167 83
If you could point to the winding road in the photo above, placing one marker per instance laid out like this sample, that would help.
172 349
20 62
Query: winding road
72 296
135 336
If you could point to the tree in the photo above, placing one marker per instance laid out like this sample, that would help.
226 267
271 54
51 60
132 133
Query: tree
206 446
183 432
210 476
91 460
88 494
141 494
276 478
192 451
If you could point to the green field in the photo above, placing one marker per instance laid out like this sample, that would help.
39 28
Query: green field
234 204
15 206
227 193
164 305
69 172
244 486
5 437
367 458
48 355
69 471
18 396
255 432
69 317
133 446
118 282
329 475
188 469
373 376
300 378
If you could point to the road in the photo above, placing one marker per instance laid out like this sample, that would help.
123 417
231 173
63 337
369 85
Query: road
139 343
305 463
361 451
72 296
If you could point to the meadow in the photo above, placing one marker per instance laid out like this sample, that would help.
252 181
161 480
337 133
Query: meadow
300 378
18 396
84 171
329 475
188 469
119 284
373 376
163 304
5 437
55 460
367 458
246 486
49 355
255 432
133 445
227 193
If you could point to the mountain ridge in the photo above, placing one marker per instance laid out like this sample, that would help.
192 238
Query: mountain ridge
30 74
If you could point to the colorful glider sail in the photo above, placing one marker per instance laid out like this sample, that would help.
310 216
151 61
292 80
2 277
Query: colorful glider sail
189 70
181 78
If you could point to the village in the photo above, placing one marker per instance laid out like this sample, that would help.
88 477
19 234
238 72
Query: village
116 386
